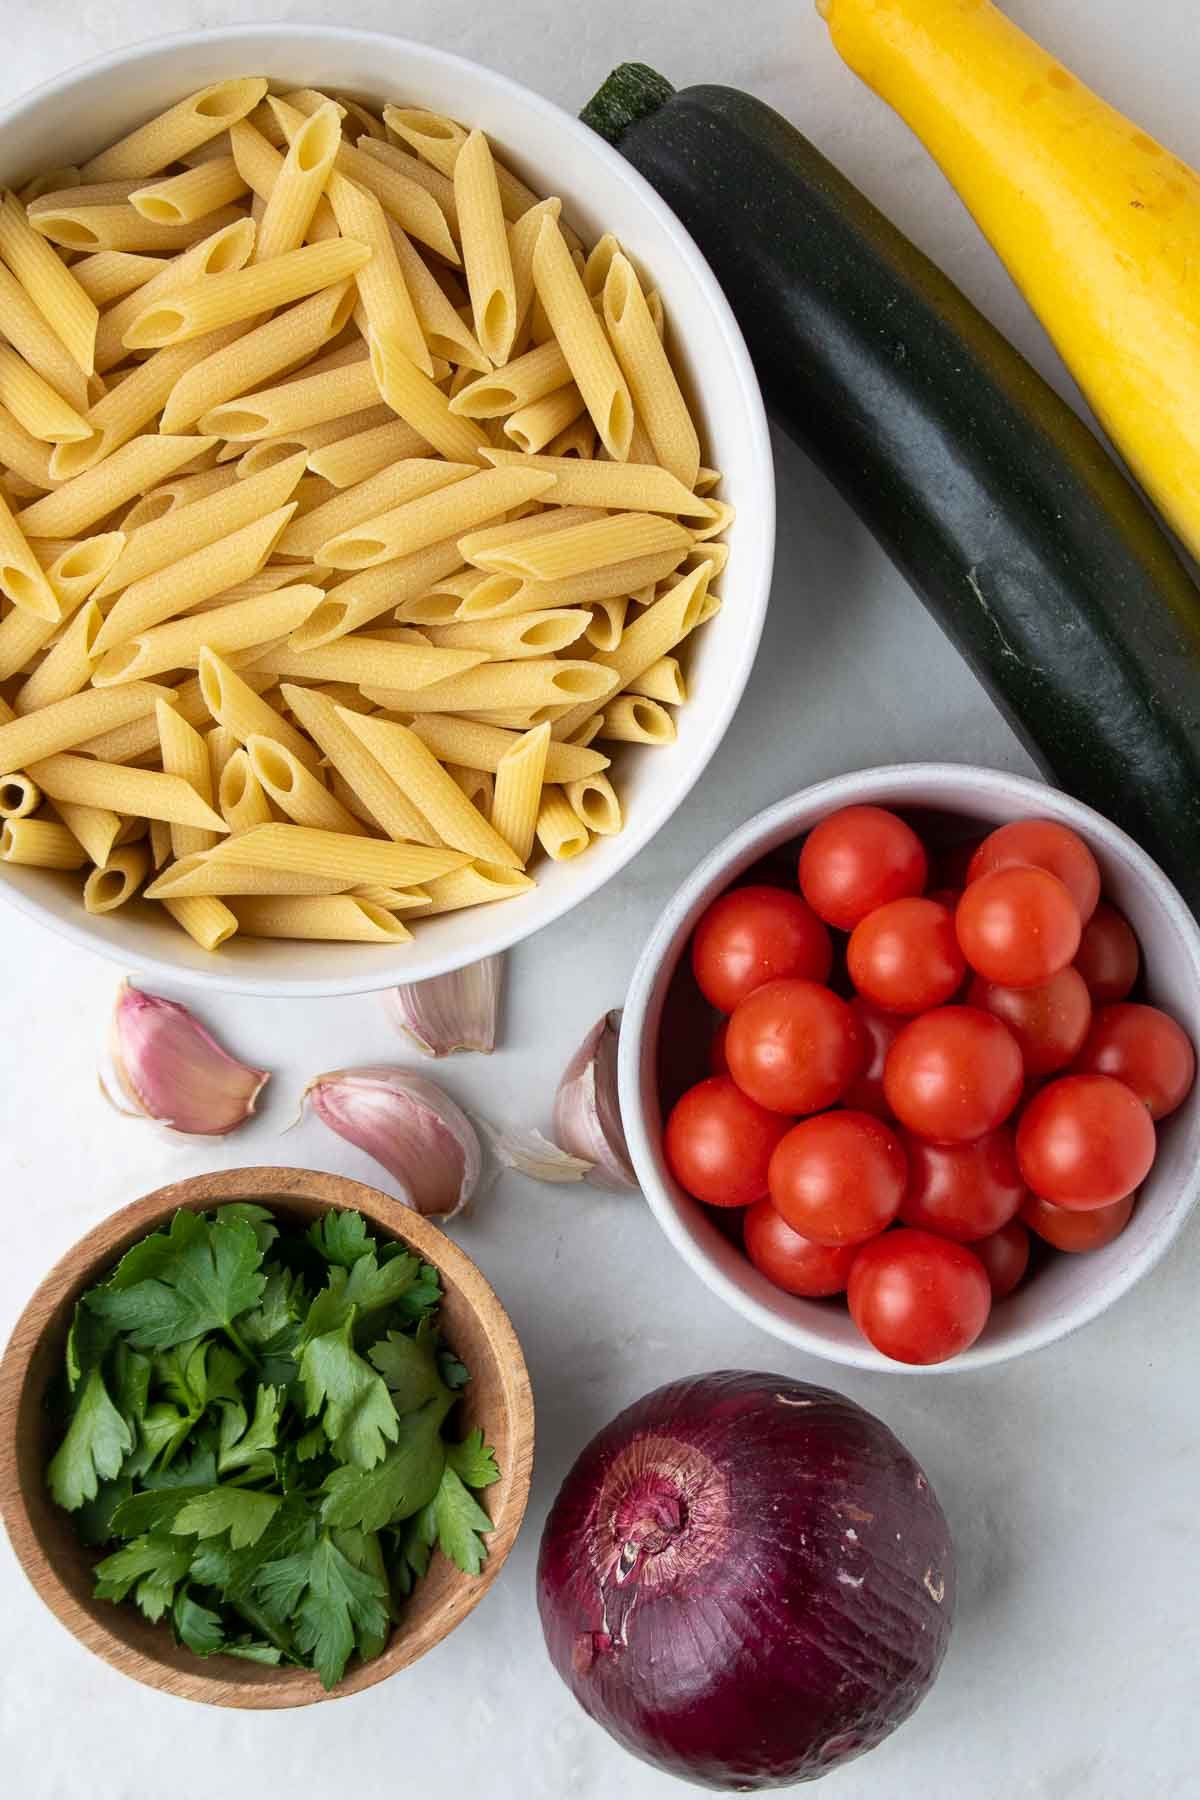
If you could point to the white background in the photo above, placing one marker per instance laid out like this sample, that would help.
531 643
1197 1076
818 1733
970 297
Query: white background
1070 1479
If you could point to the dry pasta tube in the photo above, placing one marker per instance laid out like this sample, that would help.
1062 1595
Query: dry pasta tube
560 831
477 884
663 680
19 797
209 922
337 918
39 844
295 789
529 634
124 475
581 337
468 743
437 796
169 137
118 881
634 487
633 719
73 721
595 804
518 790
241 294
387 805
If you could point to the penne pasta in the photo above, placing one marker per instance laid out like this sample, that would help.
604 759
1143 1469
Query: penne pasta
19 796
221 745
241 797
647 369
556 556
357 457
517 800
421 404
471 745
396 485
595 804
209 570
510 639
39 844
172 494
122 227
294 788
478 884
591 361
216 300
386 803
293 405
177 644
487 260
118 881
185 754
615 487
118 788
634 719
209 922
531 377
64 305
560 831
22 577
127 408
382 288
240 710
363 660
291 338
112 274
329 853
197 877
663 680
169 137
339 918
436 795
98 491
543 422
608 621
445 333
168 543
195 194
228 247
446 513
502 687
361 598
35 405
22 453
67 667
97 828
34 341
298 188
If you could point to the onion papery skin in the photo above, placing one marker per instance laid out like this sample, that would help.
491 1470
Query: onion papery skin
746 1580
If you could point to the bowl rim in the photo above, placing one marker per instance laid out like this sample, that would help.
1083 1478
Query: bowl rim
213 1682
738 851
756 554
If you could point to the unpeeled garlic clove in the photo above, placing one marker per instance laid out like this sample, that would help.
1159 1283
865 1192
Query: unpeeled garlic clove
407 1123
529 1153
451 1012
587 1112
172 1070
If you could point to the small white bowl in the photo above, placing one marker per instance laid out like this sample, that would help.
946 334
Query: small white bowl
78 113
1067 1291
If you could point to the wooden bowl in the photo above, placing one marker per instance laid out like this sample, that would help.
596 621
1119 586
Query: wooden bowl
498 1398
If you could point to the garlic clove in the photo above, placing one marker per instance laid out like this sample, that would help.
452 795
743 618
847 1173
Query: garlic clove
587 1111
170 1069
529 1153
411 1126
451 1012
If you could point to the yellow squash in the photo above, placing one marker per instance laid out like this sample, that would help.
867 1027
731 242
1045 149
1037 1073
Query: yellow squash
1098 224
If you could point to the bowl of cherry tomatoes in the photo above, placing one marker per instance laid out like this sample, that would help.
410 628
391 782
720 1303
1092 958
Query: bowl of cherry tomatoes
907 1068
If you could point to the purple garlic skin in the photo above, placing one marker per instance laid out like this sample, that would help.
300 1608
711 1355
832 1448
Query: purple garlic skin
411 1127
587 1111
172 1070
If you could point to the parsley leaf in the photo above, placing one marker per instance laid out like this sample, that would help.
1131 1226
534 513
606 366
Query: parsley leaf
341 1237
241 1512
195 1279
473 1461
196 1626
272 1330
358 1416
248 1446
367 1288
460 1520
260 1218
409 1366
343 1609
152 1566
404 1481
97 1443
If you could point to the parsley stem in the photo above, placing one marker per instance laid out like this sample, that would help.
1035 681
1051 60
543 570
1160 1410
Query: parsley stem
243 1350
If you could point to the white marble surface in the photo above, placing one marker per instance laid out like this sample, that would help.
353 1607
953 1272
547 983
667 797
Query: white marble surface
1070 1479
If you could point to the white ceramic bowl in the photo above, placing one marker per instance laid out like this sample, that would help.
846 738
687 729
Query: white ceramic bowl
75 115
1068 1290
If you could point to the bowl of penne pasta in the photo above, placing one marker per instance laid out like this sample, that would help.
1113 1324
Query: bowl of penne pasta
386 510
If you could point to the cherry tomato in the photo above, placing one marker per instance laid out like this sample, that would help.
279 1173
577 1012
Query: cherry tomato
963 1191
794 1263
905 955
1049 1022
1108 955
1017 927
757 934
838 1178
953 1074
879 1030
1146 1050
718 1143
1068 1230
718 1062
856 860
1005 1255
1085 1141
1043 844
793 1046
918 1298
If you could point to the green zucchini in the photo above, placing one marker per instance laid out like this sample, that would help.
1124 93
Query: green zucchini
1017 530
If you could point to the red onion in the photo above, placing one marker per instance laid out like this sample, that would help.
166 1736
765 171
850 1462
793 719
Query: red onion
746 1580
